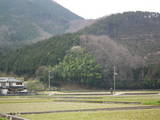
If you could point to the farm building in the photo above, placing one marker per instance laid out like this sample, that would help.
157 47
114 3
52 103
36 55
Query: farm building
10 85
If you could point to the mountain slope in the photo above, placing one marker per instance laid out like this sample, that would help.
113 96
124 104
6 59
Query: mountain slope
139 32
26 21
130 41
44 53
131 38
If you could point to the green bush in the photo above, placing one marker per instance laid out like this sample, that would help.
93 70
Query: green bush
3 119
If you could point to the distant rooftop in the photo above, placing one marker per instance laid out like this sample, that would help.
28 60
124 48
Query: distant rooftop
9 79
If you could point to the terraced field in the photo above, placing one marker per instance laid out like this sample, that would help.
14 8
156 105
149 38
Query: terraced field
153 114
85 106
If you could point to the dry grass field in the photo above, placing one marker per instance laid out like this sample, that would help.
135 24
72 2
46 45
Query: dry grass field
44 103
153 114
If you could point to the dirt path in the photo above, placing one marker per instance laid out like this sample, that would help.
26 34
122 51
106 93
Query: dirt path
104 94
84 94
98 109
140 94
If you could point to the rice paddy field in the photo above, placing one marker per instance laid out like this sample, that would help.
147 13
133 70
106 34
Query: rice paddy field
153 114
125 105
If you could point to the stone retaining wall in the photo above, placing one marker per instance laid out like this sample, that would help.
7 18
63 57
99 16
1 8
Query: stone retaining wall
11 117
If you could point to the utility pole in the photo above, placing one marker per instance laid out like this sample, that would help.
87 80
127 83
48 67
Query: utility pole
49 79
114 79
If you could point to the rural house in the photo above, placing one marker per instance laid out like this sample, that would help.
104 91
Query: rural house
10 85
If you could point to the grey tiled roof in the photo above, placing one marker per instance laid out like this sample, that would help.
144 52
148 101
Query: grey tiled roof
9 79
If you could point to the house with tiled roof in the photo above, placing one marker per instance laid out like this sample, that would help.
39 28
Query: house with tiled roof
10 85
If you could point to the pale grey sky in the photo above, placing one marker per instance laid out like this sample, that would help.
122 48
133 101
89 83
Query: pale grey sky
91 9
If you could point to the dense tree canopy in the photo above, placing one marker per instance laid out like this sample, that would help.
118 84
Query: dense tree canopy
152 76
78 67
50 52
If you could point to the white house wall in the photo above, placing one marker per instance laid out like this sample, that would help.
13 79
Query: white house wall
7 84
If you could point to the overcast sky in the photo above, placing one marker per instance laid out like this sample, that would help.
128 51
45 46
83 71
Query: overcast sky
91 9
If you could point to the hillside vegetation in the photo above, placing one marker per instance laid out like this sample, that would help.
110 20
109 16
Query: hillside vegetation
26 60
130 41
138 31
28 21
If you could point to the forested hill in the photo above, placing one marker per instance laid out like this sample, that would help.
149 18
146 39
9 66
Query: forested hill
27 21
127 23
138 31
130 41
49 52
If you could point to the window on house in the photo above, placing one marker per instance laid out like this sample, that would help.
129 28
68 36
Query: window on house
10 84
18 83
3 84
